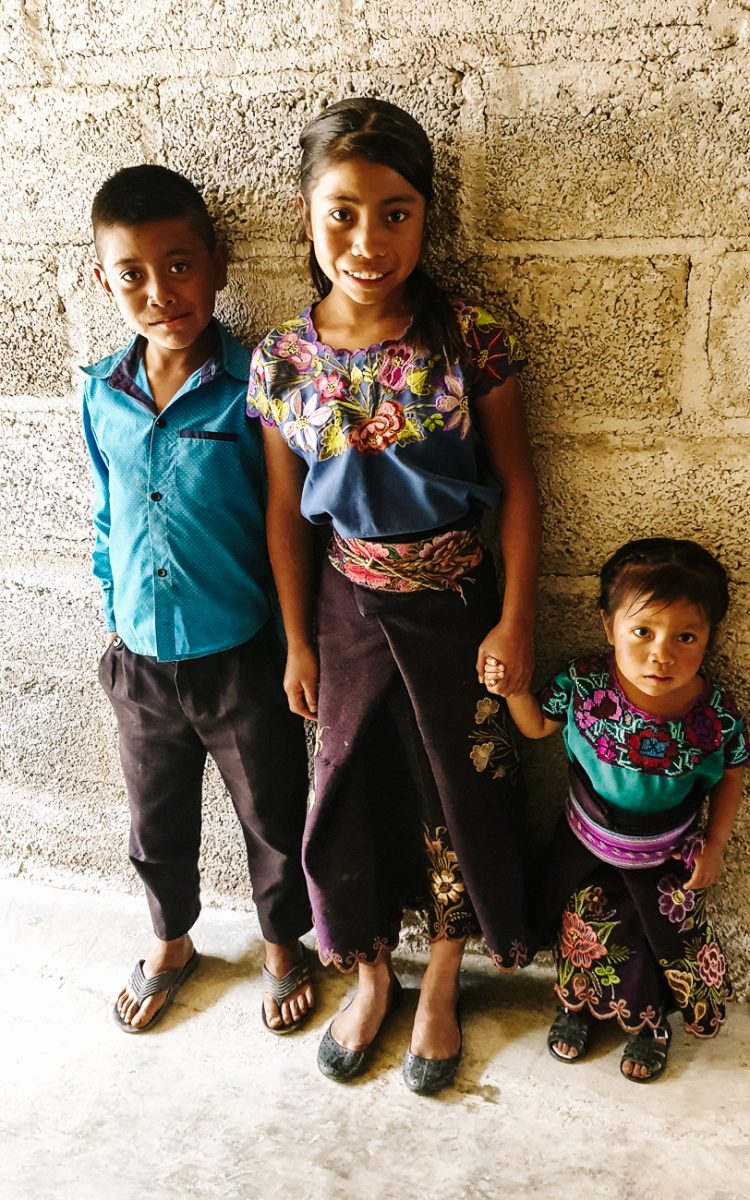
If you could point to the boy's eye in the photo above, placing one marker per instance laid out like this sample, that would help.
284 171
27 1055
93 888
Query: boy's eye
641 631
129 276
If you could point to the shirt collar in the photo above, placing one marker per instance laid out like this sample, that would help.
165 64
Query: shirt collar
119 369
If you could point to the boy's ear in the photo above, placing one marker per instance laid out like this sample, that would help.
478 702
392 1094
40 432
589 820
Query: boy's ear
608 625
304 215
220 257
101 279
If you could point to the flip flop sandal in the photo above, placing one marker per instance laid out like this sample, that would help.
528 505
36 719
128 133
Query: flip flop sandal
169 981
647 1050
573 1029
279 989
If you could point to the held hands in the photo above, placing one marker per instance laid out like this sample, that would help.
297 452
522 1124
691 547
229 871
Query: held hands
707 867
505 659
301 682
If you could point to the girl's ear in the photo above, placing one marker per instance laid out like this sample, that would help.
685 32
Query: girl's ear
304 215
101 279
608 623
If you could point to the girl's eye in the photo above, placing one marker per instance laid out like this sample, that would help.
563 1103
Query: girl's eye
177 268
397 216
340 214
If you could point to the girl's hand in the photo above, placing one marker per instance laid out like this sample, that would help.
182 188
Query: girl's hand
707 868
301 682
505 659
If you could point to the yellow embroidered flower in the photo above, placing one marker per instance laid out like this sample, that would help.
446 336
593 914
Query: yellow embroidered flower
481 755
446 887
681 984
485 709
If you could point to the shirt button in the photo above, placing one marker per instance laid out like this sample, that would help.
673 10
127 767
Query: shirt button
156 495
162 424
161 572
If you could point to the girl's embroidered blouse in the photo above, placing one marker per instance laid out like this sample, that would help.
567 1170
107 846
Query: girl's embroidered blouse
387 432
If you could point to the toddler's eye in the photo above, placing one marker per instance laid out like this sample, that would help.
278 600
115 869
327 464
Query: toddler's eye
686 638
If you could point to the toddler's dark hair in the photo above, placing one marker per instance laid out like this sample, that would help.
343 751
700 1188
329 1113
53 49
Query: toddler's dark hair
662 570
136 195
380 132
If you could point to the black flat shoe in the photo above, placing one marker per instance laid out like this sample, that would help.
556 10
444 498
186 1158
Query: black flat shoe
340 1064
427 1076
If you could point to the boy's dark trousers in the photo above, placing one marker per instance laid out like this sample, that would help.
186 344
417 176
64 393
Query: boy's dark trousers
232 706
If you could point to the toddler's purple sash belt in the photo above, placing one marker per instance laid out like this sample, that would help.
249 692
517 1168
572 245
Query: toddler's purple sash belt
585 814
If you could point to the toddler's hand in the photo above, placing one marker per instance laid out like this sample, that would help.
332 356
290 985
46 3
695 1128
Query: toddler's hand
707 867
493 676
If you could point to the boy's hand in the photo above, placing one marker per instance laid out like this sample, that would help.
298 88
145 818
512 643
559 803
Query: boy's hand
301 682
707 867
111 637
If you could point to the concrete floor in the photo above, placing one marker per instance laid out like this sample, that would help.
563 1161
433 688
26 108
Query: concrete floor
211 1105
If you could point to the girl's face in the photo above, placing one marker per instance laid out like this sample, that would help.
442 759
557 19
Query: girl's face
366 224
658 652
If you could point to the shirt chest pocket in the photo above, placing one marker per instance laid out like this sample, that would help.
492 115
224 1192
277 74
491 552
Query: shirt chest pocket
208 466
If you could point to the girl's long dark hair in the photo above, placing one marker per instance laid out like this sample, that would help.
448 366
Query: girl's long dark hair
662 570
379 132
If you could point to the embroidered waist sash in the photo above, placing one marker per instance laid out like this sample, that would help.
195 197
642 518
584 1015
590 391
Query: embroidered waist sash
595 824
437 563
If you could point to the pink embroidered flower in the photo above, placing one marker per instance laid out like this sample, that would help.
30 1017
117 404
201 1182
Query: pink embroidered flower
331 386
299 352
308 418
675 902
395 365
703 728
456 403
606 749
712 965
579 942
380 431
364 576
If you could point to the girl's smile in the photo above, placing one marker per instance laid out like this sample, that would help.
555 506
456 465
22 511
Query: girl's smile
658 653
366 223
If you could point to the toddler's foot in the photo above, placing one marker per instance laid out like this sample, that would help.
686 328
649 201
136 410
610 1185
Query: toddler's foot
162 956
568 1037
645 1055
281 961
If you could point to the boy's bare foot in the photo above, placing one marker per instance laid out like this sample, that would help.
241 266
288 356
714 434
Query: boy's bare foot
160 957
280 960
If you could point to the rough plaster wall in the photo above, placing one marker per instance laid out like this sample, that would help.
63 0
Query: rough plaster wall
595 187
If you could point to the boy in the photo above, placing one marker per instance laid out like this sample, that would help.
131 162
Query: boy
192 664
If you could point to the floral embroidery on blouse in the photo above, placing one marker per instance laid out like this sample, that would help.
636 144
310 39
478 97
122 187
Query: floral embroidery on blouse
327 402
623 736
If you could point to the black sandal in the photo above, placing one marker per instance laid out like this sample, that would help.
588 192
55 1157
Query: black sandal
647 1049
573 1029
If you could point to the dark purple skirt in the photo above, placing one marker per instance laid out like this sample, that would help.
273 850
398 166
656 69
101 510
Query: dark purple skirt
418 799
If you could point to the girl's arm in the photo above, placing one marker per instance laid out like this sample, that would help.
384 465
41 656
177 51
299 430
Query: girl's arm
723 805
290 546
502 424
527 714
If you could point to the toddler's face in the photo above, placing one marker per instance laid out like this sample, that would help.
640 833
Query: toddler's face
162 277
658 652
366 222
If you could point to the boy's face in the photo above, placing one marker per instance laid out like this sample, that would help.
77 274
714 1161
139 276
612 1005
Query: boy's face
162 277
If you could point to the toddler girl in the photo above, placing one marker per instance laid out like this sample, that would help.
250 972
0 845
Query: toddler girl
648 736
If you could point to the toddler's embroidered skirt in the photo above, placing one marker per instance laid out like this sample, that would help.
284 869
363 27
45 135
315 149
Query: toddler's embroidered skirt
418 799
633 944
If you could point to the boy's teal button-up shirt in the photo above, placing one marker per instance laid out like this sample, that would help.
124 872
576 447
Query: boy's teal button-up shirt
179 499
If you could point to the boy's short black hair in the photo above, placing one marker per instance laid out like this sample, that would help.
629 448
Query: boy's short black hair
136 195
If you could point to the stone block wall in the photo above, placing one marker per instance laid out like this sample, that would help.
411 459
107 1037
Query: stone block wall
594 188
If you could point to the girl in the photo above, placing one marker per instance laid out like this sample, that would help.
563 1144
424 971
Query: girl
393 418
648 735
